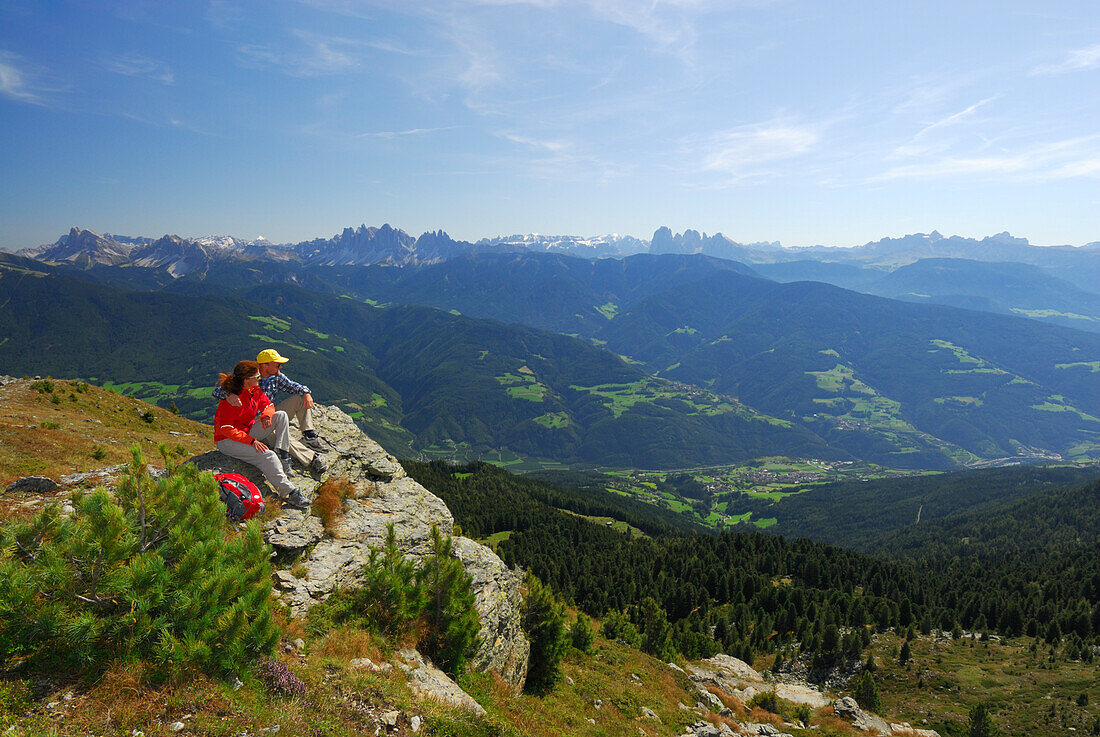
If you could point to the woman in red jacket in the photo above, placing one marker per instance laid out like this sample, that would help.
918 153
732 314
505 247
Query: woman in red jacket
241 432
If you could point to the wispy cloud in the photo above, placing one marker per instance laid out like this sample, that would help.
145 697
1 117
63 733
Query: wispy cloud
135 65
560 159
931 138
1078 60
14 82
319 54
747 151
399 134
1065 159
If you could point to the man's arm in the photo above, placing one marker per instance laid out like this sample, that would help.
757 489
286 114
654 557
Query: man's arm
287 386
221 394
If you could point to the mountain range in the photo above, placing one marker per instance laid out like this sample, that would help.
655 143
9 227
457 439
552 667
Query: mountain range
654 360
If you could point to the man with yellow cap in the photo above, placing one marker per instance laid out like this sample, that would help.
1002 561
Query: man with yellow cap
297 407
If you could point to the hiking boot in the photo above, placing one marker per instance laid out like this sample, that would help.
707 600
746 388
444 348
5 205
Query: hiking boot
318 465
311 439
296 501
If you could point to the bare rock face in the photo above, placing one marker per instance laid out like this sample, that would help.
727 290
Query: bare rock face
848 710
738 679
429 681
503 647
384 495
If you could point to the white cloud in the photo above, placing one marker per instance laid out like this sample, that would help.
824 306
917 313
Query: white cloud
399 134
744 152
1078 60
134 65
319 54
1065 159
930 139
14 82
560 160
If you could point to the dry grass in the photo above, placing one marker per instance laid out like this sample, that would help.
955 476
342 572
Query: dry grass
41 437
329 504
347 643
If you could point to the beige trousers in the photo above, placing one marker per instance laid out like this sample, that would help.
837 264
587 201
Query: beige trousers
295 408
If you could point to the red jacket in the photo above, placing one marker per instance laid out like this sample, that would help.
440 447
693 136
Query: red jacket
235 422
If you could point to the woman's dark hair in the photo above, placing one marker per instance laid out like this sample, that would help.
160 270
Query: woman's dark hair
234 382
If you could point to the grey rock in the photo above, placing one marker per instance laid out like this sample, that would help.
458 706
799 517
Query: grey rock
414 724
865 721
99 476
731 667
33 485
502 645
176 726
905 729
338 560
300 643
294 529
273 729
711 700
363 664
390 719
427 680
352 454
650 714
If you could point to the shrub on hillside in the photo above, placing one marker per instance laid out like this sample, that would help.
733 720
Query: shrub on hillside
433 604
147 574
617 626
866 693
544 623
581 633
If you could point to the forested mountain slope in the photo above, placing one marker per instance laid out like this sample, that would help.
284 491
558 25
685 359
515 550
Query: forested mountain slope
417 378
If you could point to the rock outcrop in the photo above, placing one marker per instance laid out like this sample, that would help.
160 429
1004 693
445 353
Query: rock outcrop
865 721
738 679
429 681
384 495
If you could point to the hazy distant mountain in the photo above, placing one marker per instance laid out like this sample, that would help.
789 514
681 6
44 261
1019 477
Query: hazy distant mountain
1012 288
603 246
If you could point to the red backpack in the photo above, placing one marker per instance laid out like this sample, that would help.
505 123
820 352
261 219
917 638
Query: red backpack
241 497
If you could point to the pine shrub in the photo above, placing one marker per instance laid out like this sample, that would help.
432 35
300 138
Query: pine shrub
581 633
544 623
866 693
433 603
146 575
980 723
452 623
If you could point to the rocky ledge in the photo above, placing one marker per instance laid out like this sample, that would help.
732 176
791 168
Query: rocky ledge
384 495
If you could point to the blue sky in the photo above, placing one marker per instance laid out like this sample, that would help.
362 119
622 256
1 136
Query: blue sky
802 121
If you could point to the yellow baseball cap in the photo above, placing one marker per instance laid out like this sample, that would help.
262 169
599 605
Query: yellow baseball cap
270 356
